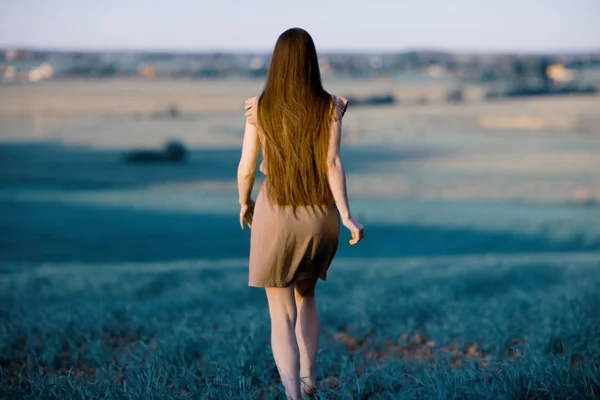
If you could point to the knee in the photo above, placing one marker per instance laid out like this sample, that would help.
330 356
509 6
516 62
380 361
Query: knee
283 314
287 317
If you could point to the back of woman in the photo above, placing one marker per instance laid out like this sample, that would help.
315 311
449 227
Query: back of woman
295 222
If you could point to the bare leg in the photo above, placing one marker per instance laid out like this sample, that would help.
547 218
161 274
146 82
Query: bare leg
282 309
307 333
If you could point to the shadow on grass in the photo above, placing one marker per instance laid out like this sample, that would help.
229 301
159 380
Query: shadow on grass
32 231
53 165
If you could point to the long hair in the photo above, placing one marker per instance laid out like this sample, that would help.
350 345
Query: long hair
294 118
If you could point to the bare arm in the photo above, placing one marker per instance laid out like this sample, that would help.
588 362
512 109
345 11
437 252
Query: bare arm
335 171
337 183
247 166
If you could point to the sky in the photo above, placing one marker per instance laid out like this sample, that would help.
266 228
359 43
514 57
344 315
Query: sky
335 25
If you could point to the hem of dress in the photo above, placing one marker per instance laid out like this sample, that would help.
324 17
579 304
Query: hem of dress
263 286
278 285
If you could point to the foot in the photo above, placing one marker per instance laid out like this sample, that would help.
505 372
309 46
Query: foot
310 392
309 388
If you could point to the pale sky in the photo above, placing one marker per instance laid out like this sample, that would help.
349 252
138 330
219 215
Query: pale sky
344 25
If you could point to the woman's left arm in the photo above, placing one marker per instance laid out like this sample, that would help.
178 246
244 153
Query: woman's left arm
246 172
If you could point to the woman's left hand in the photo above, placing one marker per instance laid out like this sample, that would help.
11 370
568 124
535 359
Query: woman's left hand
246 213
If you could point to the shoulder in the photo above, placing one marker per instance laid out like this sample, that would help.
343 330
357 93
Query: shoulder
340 104
250 109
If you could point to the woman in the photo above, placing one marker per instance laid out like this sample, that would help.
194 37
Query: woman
295 223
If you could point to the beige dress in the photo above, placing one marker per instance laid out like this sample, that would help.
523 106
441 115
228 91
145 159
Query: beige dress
288 245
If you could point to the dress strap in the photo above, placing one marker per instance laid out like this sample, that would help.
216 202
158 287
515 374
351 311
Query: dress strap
250 108
341 104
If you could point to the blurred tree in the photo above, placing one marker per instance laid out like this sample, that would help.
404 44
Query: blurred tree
519 71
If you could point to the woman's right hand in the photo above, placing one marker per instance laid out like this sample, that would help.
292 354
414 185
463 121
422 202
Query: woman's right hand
355 228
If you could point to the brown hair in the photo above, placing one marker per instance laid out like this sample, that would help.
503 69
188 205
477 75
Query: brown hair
294 116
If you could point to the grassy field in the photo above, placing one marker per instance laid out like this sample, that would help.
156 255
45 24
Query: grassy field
478 276
447 327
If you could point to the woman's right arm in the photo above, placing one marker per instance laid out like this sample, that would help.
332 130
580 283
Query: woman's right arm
337 182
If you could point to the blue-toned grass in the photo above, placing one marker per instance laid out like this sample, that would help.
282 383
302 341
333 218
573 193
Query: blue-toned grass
433 329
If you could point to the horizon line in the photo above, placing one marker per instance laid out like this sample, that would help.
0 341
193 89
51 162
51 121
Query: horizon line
324 50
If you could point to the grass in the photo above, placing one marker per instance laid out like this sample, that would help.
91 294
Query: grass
444 328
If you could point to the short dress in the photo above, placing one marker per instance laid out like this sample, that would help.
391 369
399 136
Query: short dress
288 245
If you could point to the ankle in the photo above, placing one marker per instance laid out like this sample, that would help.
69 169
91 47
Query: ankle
308 376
